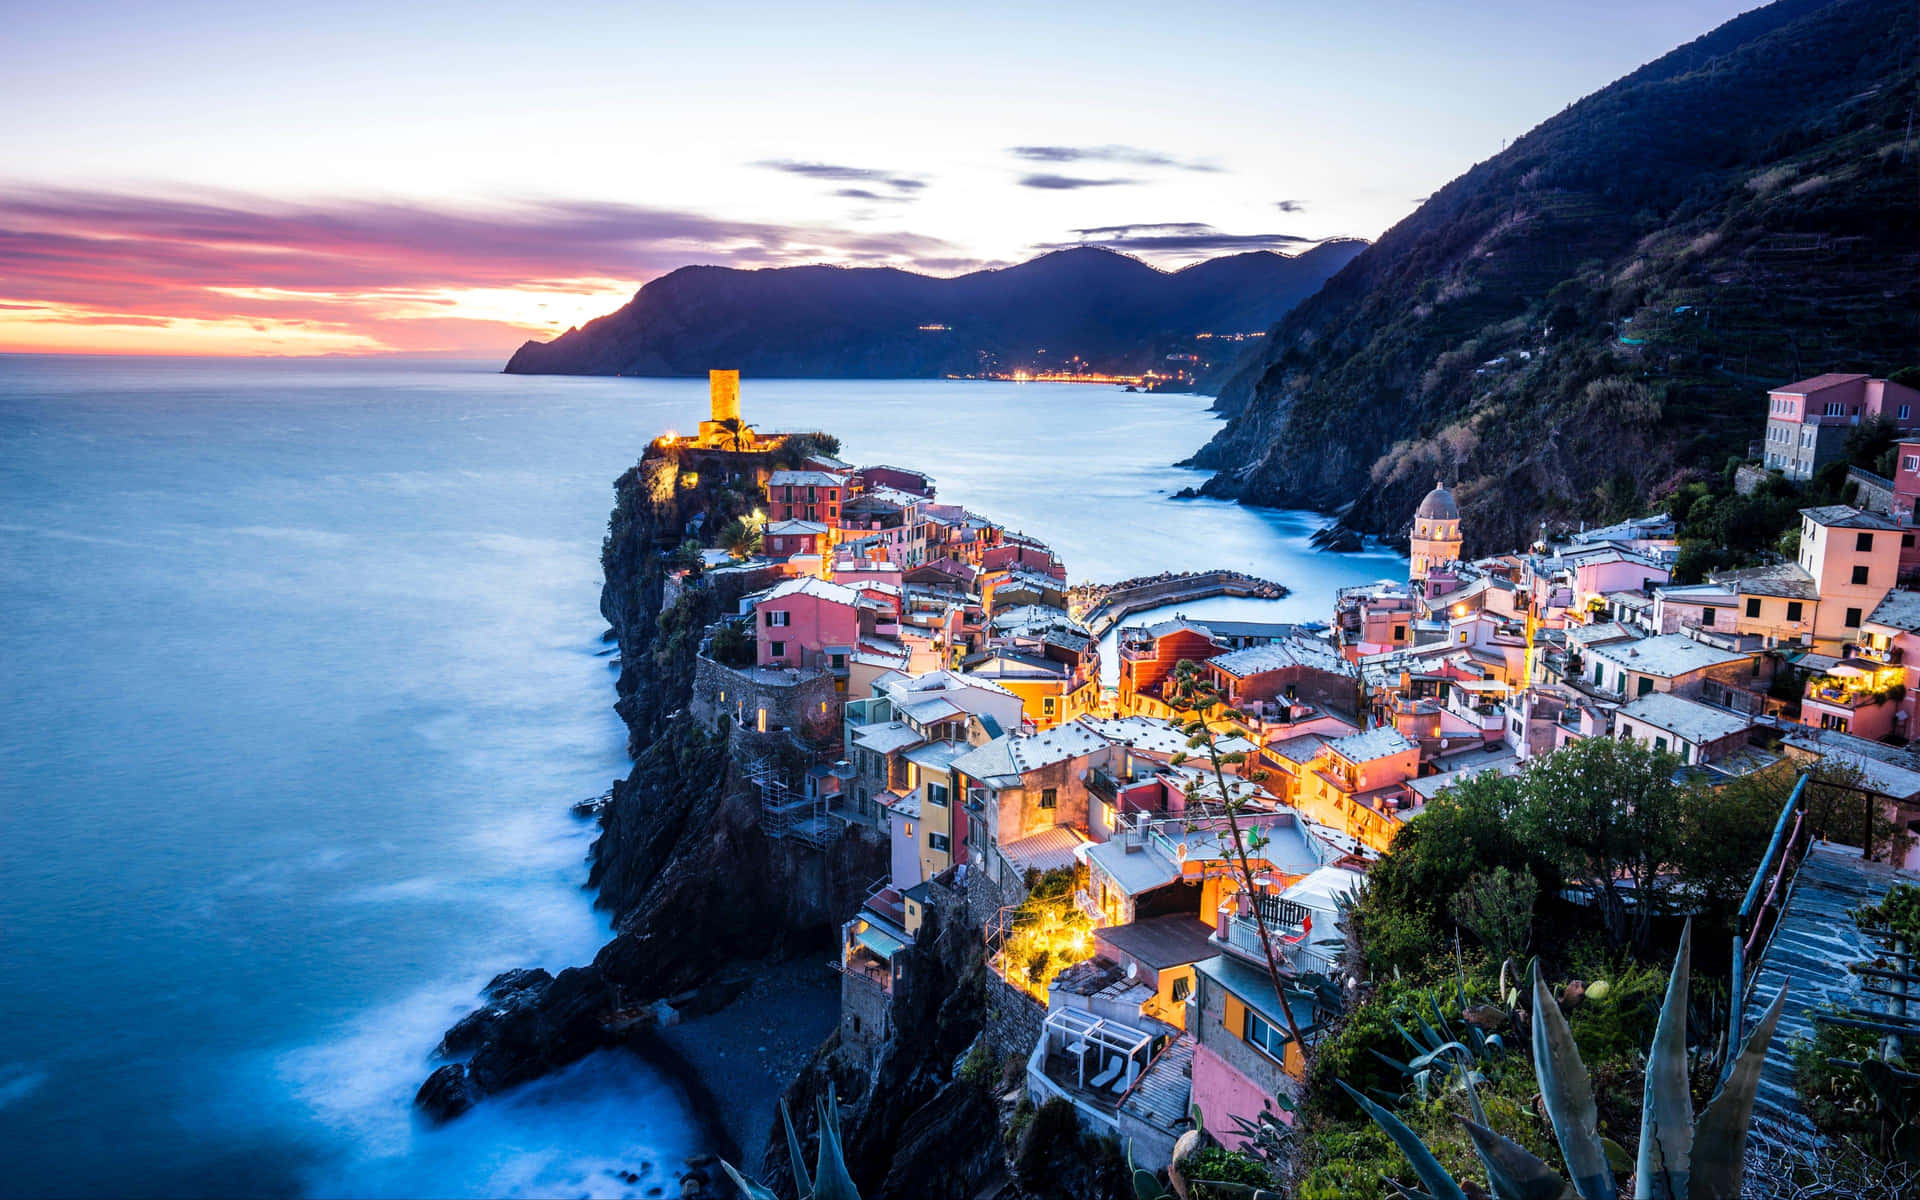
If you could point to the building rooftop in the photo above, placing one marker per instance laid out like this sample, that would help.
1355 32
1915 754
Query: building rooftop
1255 988
1159 942
1155 736
1843 516
808 585
1899 611
1383 742
1819 383
796 526
1594 635
1278 656
1461 767
1683 718
1885 769
886 738
1666 656
804 479
1788 580
1134 871
936 756
1298 750
1048 850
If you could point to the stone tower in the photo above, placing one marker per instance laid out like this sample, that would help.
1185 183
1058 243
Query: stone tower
1436 533
723 392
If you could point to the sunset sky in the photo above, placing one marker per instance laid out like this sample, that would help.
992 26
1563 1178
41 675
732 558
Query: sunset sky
437 178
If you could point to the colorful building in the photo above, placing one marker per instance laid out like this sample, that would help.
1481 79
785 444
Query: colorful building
1808 421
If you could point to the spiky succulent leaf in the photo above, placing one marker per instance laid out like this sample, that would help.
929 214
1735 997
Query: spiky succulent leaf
1184 1145
830 1178
1146 1185
1512 1171
1720 1140
1426 1167
1666 1107
1568 1095
795 1155
748 1188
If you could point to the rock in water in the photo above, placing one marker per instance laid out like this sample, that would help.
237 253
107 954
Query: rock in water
517 980
446 1094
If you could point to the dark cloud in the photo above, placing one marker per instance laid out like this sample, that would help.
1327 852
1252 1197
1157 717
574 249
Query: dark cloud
1131 155
1290 206
835 173
1068 183
1163 227
868 194
1179 238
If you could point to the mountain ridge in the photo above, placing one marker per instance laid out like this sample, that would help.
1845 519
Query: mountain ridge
1117 313
1576 323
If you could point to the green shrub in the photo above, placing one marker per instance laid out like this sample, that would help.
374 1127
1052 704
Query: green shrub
1217 1164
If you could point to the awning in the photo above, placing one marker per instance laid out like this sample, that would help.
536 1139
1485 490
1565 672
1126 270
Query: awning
881 943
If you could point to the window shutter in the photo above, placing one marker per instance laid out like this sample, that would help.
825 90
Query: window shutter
1235 1017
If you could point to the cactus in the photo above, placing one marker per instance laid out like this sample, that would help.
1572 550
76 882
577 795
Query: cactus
1678 1160
1897 1095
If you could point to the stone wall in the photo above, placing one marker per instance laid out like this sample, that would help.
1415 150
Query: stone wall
866 1020
1747 479
805 702
1870 491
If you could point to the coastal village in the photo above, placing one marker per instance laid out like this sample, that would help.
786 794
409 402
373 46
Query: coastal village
1162 912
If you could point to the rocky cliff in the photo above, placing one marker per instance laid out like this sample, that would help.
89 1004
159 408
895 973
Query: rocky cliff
695 887
1114 312
1576 324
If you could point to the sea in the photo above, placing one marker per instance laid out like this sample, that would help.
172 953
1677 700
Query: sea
300 671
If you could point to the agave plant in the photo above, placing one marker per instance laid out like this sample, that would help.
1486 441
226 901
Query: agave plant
1678 1159
830 1180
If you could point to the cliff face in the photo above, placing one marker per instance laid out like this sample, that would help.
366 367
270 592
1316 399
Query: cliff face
693 884
1575 324
1117 313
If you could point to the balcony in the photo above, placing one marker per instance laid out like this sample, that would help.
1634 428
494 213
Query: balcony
1867 653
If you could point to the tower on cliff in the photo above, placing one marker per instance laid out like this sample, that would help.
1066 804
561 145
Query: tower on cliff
723 391
1436 533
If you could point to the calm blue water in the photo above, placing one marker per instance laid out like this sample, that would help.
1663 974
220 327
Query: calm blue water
298 675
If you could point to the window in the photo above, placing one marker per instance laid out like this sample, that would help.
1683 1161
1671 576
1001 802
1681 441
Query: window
838 661
1049 797
1906 541
937 794
1626 732
1753 606
1047 706
1906 410
1706 616
1835 408
1860 577
1794 609
1853 618
1182 988
1660 744
778 620
777 650
1910 462
1259 1032
1863 542
938 841
1399 633
1598 670
1645 686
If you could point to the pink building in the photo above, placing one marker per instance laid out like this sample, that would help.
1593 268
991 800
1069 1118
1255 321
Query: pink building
806 496
899 478
810 622
1022 554
784 539
1906 505
1808 421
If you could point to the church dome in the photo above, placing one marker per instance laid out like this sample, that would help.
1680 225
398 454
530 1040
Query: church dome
1438 506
